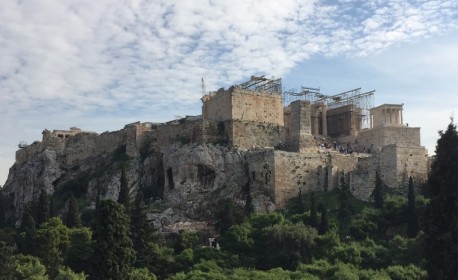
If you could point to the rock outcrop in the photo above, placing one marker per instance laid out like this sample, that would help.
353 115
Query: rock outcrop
183 183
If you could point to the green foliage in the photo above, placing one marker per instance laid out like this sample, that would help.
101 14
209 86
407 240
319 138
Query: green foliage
73 214
80 250
2 209
52 241
188 240
29 268
238 239
398 272
286 245
68 274
379 191
230 214
313 212
43 208
7 265
324 223
441 217
113 253
123 197
141 274
413 226
141 231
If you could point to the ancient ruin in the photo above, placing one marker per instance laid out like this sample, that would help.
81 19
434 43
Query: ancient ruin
290 140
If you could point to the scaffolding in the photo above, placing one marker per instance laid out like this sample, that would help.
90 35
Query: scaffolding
305 93
354 97
262 84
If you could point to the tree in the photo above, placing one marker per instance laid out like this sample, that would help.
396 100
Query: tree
43 208
441 216
123 197
52 241
2 209
113 252
7 266
313 211
345 205
412 216
73 214
378 193
324 223
80 250
28 233
142 232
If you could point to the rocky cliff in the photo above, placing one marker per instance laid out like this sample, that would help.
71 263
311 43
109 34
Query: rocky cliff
183 183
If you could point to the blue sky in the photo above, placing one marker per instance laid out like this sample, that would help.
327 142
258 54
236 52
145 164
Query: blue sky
99 65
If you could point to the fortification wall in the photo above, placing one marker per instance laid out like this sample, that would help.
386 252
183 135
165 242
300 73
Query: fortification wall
247 134
362 179
245 105
217 106
22 155
376 138
340 164
257 106
300 130
184 131
397 164
294 171
261 168
89 144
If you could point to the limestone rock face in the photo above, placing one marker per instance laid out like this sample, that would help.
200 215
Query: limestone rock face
25 181
182 183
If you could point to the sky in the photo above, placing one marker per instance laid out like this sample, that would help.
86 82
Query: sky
99 65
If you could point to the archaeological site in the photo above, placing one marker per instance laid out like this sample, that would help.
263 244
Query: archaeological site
253 138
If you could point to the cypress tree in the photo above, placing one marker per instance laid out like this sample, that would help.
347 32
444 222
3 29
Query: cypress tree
441 216
43 208
412 216
142 232
26 242
378 193
73 215
345 206
113 253
324 223
313 211
2 209
123 197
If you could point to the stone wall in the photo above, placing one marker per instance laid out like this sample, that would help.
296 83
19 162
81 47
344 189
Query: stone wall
397 164
300 130
217 106
294 171
260 170
376 138
248 134
246 105
22 155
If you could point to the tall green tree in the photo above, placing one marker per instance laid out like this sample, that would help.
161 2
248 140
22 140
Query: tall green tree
324 223
441 217
313 211
43 208
142 231
73 215
412 216
345 204
113 253
124 197
378 193
7 265
26 242
2 209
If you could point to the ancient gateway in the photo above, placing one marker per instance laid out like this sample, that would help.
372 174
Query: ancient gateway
290 141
